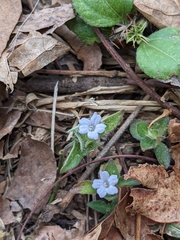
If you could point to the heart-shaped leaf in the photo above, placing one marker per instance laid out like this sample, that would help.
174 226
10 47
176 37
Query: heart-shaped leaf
160 56
105 13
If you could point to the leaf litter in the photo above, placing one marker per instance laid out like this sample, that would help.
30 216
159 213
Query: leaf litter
29 168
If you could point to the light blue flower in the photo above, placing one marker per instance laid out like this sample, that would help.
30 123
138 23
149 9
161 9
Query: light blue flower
105 185
92 127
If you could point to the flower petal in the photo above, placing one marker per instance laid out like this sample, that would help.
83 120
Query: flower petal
93 135
112 190
100 128
84 121
101 192
95 119
97 183
104 175
113 179
83 129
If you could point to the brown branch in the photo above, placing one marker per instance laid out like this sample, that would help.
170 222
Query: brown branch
133 75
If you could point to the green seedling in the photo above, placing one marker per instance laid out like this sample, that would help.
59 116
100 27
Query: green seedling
151 138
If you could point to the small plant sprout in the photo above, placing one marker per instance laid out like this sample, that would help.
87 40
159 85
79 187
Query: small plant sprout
105 185
92 127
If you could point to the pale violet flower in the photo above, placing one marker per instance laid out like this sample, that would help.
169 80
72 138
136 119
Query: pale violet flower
105 185
92 127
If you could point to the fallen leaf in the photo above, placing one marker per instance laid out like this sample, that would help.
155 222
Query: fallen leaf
174 131
8 77
6 213
36 172
57 233
8 121
48 17
10 12
160 200
175 152
160 13
91 56
36 52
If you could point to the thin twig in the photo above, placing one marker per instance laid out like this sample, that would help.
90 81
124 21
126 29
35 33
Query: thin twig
133 75
54 115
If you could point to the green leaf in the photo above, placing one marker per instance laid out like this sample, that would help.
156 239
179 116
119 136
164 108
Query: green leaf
139 129
84 187
161 126
127 183
103 13
111 168
160 56
173 230
73 158
83 30
100 206
112 121
148 143
162 154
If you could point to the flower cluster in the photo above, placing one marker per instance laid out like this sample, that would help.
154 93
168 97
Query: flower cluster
92 127
105 185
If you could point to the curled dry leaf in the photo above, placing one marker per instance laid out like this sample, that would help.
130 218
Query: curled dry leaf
91 56
36 52
160 200
160 13
174 131
36 172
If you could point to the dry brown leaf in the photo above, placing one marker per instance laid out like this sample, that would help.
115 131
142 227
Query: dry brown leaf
57 233
174 131
36 172
48 17
161 13
8 77
10 12
91 56
160 202
6 213
36 52
8 121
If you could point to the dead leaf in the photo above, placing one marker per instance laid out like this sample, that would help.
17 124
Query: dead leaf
36 52
160 202
8 77
160 13
48 17
36 172
175 152
174 131
10 12
8 121
57 233
91 56
6 213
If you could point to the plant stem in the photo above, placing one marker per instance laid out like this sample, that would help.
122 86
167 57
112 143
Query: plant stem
133 75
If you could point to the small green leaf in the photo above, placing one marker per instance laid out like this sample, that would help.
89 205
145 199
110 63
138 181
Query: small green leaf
83 30
104 13
112 121
162 154
159 57
84 187
73 158
139 129
173 230
161 126
127 183
100 206
148 143
111 168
